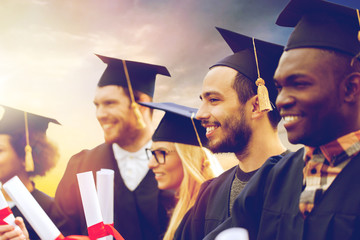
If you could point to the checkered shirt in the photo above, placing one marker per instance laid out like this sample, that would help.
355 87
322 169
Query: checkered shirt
322 165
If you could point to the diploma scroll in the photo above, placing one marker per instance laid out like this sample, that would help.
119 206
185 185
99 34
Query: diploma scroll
32 211
90 200
6 215
105 191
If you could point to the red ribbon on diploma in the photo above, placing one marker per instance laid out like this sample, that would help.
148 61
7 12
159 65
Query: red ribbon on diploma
100 230
3 214
72 237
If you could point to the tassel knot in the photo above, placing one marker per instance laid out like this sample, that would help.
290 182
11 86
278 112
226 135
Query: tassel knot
29 162
263 95
140 120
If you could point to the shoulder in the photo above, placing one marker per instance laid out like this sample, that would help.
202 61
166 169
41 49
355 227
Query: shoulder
96 153
219 180
216 186
44 200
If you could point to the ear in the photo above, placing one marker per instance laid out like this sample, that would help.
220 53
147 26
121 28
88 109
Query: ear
255 108
144 98
352 87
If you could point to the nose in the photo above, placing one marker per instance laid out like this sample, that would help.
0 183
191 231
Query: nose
152 163
284 100
101 112
203 112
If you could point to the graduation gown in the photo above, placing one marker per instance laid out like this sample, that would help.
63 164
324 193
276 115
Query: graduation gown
138 214
269 205
211 207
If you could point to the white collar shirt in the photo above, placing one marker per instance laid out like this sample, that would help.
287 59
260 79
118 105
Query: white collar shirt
133 166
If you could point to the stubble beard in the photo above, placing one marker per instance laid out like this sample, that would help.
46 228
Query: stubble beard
236 137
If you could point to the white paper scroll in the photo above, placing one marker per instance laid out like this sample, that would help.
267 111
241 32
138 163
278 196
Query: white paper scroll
234 233
32 211
3 204
89 199
105 191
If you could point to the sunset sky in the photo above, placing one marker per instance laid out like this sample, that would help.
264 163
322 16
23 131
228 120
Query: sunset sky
48 66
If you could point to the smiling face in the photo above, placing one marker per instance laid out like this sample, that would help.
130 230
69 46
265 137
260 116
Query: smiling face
222 114
170 174
10 163
310 98
114 114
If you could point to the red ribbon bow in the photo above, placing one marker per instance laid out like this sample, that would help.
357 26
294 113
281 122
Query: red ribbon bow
100 230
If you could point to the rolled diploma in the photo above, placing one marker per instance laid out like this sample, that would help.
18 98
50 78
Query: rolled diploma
89 199
105 192
32 211
3 204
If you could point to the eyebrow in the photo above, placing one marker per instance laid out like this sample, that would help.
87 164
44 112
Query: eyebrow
207 94
291 78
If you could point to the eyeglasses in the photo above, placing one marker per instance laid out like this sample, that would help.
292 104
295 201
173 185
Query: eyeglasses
159 155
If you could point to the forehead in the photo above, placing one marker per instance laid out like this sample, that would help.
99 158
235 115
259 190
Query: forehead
162 145
302 61
110 91
219 79
4 139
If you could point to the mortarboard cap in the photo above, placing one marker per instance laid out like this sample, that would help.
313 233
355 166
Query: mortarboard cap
14 121
177 125
254 63
321 24
142 75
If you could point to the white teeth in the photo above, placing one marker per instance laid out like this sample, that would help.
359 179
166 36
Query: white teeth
290 118
210 129
106 126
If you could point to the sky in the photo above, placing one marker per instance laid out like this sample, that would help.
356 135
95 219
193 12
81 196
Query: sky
48 64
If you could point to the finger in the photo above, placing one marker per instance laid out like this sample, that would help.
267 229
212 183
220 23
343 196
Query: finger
13 235
5 228
20 222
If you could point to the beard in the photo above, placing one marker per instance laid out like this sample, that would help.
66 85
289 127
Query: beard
237 134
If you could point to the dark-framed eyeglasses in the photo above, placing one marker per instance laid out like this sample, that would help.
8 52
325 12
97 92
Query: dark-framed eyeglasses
159 155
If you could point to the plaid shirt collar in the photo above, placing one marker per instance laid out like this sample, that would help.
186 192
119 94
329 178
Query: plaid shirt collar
338 150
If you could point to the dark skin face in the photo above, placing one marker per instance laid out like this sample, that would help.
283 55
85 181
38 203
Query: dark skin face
311 100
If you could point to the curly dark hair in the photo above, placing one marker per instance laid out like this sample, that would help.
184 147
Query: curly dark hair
44 152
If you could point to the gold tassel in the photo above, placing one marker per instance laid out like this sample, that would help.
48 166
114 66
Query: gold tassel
263 95
29 162
262 92
140 120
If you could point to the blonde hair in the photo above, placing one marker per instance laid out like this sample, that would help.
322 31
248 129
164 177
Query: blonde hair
199 165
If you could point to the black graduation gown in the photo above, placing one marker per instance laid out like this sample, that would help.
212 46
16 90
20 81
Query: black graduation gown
211 207
269 205
46 202
140 214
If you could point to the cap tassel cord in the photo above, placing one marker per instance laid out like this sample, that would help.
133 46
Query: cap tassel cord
357 55
358 15
205 163
262 92
29 162
135 107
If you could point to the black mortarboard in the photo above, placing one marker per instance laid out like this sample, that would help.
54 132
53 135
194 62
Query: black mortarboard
14 121
321 24
142 75
244 60
177 125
